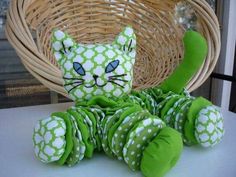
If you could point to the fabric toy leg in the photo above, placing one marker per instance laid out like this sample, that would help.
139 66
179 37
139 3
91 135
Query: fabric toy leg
196 118
124 131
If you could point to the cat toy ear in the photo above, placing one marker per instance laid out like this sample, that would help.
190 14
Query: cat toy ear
126 41
62 44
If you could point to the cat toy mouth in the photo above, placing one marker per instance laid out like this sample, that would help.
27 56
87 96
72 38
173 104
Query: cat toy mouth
111 80
95 84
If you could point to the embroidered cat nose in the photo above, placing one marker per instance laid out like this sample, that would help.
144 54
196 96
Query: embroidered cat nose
95 76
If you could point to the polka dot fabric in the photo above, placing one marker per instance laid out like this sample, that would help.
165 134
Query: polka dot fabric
138 139
101 69
173 110
124 131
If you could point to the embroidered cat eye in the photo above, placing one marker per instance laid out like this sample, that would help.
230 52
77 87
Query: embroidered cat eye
112 66
79 68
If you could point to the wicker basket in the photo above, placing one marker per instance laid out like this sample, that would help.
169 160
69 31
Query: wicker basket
30 22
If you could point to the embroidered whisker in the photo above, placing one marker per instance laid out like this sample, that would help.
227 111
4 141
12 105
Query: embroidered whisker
116 83
73 79
116 79
64 48
78 82
74 88
121 75
130 45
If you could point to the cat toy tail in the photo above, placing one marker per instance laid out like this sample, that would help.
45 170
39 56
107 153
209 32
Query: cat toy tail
195 51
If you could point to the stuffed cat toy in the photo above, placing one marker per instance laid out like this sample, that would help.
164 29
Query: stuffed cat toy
146 129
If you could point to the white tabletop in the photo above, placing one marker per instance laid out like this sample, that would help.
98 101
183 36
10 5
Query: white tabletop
17 157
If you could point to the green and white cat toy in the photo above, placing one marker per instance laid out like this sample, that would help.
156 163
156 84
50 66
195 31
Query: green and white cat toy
146 129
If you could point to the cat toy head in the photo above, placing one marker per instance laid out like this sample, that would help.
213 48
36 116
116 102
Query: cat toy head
96 69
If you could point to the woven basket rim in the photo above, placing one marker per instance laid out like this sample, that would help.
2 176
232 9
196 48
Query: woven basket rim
20 36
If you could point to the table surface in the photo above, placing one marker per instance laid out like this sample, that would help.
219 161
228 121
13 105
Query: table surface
17 156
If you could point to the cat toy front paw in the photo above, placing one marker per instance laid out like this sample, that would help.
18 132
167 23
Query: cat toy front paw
49 139
209 128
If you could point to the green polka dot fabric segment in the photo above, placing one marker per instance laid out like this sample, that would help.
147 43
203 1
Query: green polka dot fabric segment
90 122
111 120
78 151
138 139
168 117
145 100
209 126
96 69
49 139
180 114
168 104
179 118
163 99
189 127
83 128
120 136
125 115
99 116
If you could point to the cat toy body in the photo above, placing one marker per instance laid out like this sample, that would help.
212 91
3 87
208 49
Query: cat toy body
143 128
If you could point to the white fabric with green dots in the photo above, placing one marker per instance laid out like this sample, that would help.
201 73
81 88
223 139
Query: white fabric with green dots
96 69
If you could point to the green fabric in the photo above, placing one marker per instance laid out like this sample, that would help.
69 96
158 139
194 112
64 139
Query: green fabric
96 69
102 101
99 115
122 116
161 101
78 150
84 132
169 117
154 92
138 139
136 100
180 115
162 153
143 98
176 114
91 124
189 127
120 135
148 102
49 139
195 51
111 120
168 104
96 117
209 126
179 118
168 110
69 141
